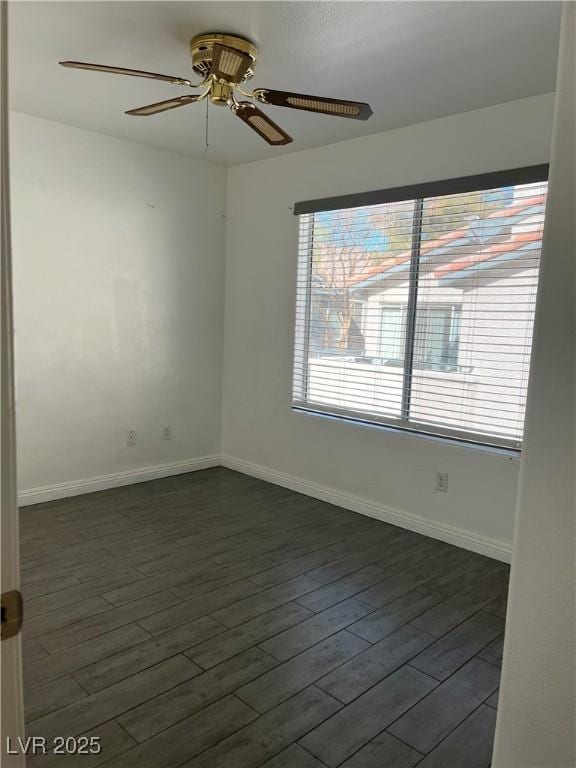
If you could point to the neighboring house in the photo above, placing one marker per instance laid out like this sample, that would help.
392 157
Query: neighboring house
466 337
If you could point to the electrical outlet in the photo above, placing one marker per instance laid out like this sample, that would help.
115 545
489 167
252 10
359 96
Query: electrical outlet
166 432
442 481
130 437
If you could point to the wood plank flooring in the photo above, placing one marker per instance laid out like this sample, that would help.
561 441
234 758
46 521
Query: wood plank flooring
213 620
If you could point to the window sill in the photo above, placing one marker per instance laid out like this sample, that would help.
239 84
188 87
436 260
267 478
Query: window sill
443 440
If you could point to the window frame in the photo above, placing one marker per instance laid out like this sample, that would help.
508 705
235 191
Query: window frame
417 193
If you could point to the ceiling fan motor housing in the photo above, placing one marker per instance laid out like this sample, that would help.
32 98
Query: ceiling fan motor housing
202 46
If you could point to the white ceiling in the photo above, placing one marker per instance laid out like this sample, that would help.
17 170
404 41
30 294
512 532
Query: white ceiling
413 61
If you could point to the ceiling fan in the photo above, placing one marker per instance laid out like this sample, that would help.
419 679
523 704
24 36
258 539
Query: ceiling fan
224 62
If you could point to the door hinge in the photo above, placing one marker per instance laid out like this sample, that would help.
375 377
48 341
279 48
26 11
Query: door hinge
12 613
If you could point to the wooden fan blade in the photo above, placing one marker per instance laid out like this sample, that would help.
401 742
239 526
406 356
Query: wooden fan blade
261 123
123 71
356 110
162 106
229 64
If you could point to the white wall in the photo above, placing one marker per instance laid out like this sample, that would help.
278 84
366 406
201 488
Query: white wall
118 254
259 429
536 717
119 273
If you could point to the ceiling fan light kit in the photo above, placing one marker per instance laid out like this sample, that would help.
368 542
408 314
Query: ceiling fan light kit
225 62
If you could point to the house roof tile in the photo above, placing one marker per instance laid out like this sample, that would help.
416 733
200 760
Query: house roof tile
448 237
516 241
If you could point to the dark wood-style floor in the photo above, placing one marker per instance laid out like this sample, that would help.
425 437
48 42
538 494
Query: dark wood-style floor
212 620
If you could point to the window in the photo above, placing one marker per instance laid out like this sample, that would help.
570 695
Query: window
392 333
437 335
415 306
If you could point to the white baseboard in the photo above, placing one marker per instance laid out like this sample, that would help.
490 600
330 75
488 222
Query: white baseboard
498 550
115 480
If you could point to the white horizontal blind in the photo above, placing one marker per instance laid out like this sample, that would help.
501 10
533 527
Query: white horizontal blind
418 313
